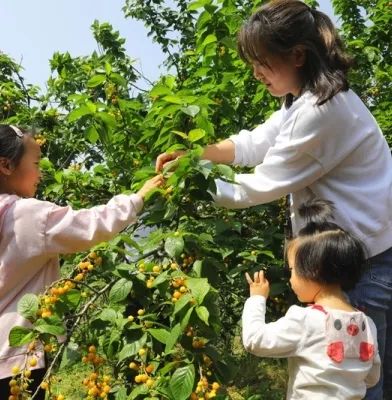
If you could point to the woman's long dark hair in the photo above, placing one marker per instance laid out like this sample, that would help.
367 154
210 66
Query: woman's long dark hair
281 25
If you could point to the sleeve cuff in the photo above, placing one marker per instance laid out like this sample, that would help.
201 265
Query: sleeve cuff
237 159
257 299
138 202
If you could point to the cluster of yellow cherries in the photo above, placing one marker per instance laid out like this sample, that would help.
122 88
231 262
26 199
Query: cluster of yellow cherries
205 390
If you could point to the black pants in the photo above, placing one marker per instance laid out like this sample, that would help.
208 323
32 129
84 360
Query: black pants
36 375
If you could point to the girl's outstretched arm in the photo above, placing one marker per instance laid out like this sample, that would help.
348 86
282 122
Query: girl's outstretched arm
69 231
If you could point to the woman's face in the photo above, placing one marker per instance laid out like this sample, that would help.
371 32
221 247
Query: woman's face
281 75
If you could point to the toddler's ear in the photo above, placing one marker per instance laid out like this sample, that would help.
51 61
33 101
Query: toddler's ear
5 166
299 56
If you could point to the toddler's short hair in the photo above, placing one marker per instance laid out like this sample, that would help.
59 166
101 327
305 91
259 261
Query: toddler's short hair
323 251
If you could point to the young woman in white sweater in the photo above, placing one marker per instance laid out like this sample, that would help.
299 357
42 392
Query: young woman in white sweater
323 143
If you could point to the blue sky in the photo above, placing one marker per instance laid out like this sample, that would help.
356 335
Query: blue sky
31 31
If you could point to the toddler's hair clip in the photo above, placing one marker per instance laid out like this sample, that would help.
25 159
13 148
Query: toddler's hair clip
17 131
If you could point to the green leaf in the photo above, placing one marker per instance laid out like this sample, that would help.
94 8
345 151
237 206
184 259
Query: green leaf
72 297
161 278
209 39
20 335
197 268
118 79
121 394
182 381
137 391
172 339
108 68
45 163
162 335
226 171
131 349
185 320
128 240
107 314
170 81
267 253
168 367
130 104
91 106
196 134
173 99
182 134
198 4
160 90
203 20
108 119
28 306
53 327
78 113
92 134
71 355
199 287
191 110
182 302
96 80
120 290
203 314
174 246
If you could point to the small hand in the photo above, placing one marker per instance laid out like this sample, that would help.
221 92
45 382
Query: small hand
165 158
152 183
259 285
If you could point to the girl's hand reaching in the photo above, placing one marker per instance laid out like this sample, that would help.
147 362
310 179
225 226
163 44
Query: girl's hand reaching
152 183
259 285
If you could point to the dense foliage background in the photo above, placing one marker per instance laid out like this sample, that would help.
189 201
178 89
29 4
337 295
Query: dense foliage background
154 314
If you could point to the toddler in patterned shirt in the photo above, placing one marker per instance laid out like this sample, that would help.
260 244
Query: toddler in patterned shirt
331 347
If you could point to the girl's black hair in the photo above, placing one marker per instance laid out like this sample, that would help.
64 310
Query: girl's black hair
11 144
323 251
279 26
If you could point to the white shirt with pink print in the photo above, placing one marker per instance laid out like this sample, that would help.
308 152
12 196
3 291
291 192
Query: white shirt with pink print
332 354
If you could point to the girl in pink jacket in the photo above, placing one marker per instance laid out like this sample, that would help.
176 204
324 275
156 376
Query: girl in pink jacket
33 233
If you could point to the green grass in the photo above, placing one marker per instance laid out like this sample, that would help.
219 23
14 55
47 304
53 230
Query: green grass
68 382
265 378
258 379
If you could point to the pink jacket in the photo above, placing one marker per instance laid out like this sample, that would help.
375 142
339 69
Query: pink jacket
32 235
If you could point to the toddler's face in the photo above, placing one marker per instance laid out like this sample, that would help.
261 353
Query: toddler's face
304 289
25 178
